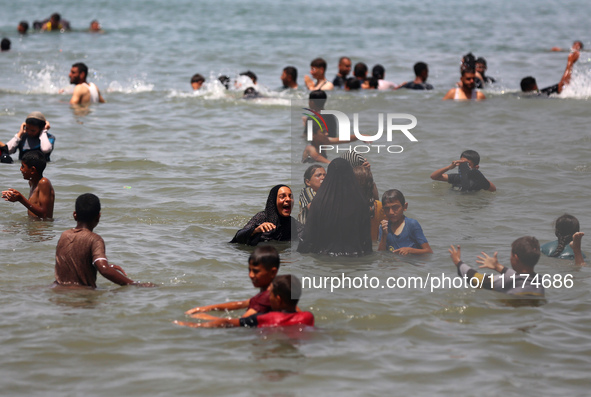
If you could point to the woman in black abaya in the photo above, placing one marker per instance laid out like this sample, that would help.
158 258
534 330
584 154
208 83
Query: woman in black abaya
274 223
338 222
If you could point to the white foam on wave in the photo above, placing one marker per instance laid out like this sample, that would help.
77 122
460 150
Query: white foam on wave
580 85
45 81
131 86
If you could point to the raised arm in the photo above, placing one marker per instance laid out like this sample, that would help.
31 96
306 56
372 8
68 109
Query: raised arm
440 174
572 59
576 246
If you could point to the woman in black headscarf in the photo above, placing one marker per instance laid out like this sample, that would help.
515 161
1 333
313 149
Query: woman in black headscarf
338 222
274 223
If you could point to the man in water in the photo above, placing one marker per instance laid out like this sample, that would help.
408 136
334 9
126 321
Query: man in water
529 84
55 23
344 70
84 92
317 70
289 78
421 75
467 89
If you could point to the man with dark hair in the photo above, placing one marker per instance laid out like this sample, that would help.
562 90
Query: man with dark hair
23 27
197 81
289 78
55 23
421 75
318 70
84 92
529 84
467 90
344 70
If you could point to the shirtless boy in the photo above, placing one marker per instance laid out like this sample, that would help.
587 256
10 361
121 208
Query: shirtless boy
84 92
41 195
80 252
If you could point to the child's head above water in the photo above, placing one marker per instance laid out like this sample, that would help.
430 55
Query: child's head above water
394 205
527 250
263 265
564 227
393 195
35 158
472 156
286 292
88 207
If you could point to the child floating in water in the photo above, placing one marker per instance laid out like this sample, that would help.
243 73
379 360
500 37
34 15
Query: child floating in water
42 195
284 296
263 264
398 233
565 228
469 179
520 280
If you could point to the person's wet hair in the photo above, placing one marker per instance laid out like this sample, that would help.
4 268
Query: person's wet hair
353 83
318 97
468 62
579 42
225 80
288 288
197 78
88 207
292 72
82 68
393 195
5 44
360 70
467 70
527 249
481 61
564 227
373 83
250 74
318 63
420 67
528 84
265 255
35 158
378 72
471 155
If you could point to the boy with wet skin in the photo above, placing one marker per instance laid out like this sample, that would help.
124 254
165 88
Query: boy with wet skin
469 179
285 292
41 194
80 252
263 264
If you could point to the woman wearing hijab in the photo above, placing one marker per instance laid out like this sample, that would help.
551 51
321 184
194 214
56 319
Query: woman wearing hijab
338 222
274 223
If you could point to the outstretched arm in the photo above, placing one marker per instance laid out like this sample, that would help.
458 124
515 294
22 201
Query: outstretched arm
572 59
440 174
116 274
221 306
219 323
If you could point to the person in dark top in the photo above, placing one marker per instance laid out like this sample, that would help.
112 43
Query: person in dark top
529 84
344 70
274 223
481 77
421 75
360 71
263 264
338 221
284 296
469 179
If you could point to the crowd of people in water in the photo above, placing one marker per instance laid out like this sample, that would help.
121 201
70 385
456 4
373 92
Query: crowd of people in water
340 210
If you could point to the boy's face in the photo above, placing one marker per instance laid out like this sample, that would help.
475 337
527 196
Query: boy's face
470 163
27 171
260 276
33 130
394 210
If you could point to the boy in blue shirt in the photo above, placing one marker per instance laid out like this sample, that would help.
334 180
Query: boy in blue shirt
402 235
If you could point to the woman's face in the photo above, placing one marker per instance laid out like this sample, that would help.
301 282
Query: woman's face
284 201
316 180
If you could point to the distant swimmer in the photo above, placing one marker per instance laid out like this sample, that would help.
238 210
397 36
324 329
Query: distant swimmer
529 84
55 23
197 81
344 70
467 90
23 27
84 92
5 45
379 73
95 27
317 70
577 46
289 78
481 77
421 75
